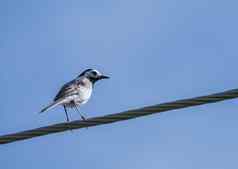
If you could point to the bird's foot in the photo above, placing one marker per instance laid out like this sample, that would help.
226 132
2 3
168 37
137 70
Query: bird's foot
83 118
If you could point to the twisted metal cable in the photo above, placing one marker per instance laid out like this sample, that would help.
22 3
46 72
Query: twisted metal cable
231 94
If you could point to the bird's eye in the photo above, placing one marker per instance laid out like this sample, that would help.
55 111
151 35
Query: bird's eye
94 73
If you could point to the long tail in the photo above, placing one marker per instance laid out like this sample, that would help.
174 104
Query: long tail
52 105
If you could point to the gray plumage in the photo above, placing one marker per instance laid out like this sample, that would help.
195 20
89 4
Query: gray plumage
76 92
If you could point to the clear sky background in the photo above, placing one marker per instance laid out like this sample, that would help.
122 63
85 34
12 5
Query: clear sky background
154 50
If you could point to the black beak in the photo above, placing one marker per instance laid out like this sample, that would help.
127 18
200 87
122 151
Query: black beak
104 77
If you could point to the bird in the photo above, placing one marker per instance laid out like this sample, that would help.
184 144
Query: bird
76 92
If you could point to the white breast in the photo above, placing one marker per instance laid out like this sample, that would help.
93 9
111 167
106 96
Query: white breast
84 95
84 92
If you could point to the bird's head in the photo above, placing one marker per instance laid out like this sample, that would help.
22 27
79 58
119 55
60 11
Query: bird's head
93 75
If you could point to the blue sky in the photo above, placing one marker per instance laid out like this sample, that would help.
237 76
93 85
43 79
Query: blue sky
154 50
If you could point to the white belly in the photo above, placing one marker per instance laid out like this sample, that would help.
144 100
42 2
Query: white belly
81 95
84 95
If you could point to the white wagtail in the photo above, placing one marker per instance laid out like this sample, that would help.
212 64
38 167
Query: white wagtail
76 92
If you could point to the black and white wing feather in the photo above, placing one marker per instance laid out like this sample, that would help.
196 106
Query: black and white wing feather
68 89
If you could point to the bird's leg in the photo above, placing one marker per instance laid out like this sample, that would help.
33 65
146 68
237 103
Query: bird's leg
66 113
65 110
76 108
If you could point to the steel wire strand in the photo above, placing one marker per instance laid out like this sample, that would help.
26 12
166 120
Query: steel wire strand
111 118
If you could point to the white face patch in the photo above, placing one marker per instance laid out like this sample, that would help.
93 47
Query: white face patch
94 73
98 73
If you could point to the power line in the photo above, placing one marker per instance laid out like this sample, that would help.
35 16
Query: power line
130 114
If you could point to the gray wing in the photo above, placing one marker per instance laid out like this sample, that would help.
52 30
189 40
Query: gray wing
68 89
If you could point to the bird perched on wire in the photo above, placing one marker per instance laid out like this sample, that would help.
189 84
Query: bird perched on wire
76 92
